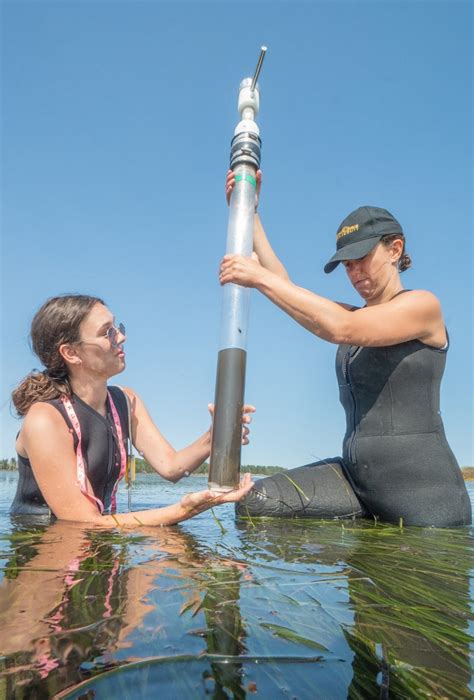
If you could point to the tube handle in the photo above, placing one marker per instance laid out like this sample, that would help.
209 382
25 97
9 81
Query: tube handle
258 68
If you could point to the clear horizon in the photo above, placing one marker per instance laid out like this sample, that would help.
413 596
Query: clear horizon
116 125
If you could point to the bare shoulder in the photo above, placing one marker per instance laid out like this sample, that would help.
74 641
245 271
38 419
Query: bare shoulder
424 308
132 396
44 425
420 299
131 393
413 294
42 416
44 422
136 403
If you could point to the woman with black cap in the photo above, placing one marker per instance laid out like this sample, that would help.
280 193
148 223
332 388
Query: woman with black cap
396 462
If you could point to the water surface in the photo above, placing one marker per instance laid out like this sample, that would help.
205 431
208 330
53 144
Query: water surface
219 608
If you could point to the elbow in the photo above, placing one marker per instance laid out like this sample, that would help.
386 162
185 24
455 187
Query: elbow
165 466
341 334
351 335
171 471
328 332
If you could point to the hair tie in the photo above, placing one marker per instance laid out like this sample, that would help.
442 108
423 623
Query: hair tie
55 374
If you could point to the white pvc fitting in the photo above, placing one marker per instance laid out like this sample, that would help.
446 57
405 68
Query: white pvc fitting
248 99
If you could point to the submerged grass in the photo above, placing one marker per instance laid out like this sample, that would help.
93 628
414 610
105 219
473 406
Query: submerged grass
292 636
390 606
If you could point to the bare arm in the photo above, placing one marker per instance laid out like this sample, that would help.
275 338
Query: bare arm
171 464
409 316
261 244
265 252
50 449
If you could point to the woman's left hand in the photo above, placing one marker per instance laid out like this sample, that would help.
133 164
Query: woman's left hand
202 500
241 270
246 420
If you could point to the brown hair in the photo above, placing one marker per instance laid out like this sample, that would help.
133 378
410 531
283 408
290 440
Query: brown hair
57 322
404 261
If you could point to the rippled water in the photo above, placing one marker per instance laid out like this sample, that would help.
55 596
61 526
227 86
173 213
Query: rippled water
230 609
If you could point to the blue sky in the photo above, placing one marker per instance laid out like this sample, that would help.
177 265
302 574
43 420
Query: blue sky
116 124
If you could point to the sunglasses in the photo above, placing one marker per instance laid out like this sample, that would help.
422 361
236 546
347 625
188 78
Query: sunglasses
112 333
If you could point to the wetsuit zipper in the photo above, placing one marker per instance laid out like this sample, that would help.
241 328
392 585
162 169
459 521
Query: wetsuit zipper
347 376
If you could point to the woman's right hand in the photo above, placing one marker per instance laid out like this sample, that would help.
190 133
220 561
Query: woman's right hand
230 184
246 419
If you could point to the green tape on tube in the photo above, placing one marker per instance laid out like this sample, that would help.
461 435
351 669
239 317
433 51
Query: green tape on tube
247 177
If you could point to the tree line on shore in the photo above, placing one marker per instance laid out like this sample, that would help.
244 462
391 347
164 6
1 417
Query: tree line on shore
8 465
142 467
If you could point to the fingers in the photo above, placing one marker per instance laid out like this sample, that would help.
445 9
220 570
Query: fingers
225 270
228 258
259 182
246 420
206 499
246 485
231 268
229 184
200 500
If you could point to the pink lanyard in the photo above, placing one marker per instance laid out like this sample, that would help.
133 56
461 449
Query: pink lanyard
123 454
81 471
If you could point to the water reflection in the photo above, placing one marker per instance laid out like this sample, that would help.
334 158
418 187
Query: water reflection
225 634
409 591
70 596
352 610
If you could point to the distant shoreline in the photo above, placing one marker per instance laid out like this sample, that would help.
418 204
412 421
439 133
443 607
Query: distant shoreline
10 465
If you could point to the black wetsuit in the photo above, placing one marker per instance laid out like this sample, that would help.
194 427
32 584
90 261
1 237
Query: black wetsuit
396 462
100 450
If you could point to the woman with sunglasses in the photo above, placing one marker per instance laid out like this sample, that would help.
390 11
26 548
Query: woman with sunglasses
72 446
396 463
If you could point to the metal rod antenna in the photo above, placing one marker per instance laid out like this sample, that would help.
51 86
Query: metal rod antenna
258 68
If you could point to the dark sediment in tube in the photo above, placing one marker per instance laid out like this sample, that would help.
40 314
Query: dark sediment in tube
224 472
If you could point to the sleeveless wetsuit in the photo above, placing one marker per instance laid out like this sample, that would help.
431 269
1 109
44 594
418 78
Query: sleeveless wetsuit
396 462
99 448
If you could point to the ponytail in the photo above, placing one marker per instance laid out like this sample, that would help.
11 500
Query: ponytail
56 323
404 263
39 386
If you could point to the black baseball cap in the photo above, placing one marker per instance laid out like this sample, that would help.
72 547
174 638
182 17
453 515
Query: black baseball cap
360 232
